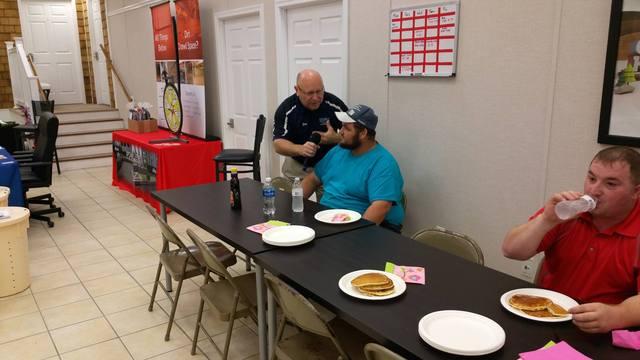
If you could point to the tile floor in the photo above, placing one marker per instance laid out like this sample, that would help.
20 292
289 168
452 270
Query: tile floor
92 276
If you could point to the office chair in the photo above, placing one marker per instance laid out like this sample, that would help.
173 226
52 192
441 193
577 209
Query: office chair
39 107
242 157
36 168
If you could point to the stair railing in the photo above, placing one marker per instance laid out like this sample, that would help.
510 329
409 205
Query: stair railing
25 85
115 72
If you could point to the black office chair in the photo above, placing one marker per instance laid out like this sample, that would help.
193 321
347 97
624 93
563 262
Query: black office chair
242 157
38 107
36 168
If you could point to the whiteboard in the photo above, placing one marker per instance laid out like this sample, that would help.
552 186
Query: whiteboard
423 40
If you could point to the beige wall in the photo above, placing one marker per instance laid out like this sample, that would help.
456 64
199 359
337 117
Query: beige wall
479 152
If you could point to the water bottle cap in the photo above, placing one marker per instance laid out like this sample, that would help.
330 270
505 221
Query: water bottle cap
267 180
591 201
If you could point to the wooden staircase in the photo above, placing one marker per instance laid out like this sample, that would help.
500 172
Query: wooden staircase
84 135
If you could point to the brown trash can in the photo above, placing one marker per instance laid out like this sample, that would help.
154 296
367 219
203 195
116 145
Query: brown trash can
4 196
14 251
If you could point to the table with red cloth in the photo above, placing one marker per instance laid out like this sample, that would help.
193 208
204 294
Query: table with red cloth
175 164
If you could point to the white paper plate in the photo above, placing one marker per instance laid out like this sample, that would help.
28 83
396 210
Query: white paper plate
345 285
558 298
461 332
328 216
292 235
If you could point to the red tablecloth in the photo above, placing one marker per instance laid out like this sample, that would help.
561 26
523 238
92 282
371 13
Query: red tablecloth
178 164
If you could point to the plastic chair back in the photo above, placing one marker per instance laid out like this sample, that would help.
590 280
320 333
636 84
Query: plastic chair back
451 242
373 351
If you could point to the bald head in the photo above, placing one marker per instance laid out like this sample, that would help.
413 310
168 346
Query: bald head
307 75
309 88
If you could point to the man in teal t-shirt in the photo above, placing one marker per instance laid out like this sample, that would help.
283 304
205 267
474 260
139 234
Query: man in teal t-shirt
360 174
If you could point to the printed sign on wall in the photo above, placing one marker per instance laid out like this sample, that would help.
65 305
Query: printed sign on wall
423 40
191 62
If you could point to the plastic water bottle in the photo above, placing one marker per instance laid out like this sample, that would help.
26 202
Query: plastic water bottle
570 208
297 204
269 198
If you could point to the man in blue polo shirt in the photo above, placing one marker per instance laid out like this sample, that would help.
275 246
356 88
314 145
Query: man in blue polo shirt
309 110
360 174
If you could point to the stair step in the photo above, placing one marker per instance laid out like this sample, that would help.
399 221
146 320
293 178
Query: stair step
85 157
82 108
83 137
88 115
83 144
74 133
92 126
87 121
70 152
85 163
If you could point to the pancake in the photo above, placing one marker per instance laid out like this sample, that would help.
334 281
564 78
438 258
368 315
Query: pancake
528 302
539 313
370 279
557 310
387 286
377 292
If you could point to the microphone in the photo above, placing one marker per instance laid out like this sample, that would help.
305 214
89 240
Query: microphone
314 138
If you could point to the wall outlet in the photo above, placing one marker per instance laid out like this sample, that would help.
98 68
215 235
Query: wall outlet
528 270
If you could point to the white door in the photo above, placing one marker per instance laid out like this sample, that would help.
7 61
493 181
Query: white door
244 84
100 75
50 33
315 39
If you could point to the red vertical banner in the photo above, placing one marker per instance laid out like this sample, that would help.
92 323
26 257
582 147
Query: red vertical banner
191 61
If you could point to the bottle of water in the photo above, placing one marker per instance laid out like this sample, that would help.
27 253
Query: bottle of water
570 208
269 198
297 204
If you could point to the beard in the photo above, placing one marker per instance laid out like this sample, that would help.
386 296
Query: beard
353 145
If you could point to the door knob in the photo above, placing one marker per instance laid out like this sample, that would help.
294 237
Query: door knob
230 123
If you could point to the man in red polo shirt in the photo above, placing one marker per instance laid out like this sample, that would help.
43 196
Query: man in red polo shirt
592 257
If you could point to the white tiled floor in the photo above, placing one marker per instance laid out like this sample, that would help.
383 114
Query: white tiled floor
91 278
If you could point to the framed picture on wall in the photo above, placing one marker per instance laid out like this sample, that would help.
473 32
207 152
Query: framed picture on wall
620 109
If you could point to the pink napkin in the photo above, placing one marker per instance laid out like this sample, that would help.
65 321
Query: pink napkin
626 339
410 274
560 351
262 227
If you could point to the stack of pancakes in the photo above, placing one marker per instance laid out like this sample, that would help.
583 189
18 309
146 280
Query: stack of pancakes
373 284
537 306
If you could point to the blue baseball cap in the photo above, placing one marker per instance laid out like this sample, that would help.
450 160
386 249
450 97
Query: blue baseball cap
361 114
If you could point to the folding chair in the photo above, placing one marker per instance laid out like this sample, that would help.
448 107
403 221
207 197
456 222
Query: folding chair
451 242
319 338
231 297
181 263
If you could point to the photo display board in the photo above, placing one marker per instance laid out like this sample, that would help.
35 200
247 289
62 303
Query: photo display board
423 40
191 62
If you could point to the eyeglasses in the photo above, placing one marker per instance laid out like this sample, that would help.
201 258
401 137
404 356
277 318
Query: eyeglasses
312 92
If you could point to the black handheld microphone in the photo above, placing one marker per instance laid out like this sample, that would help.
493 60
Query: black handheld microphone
314 138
